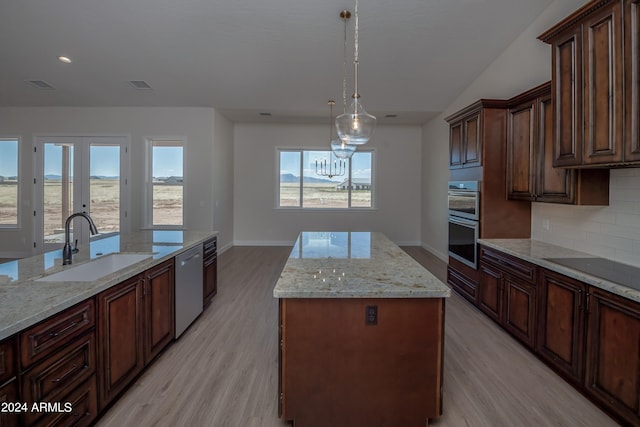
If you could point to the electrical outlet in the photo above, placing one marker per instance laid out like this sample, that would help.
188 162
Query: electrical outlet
545 224
371 315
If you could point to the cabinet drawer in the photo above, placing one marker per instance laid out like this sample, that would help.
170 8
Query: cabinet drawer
50 334
7 360
55 377
466 287
210 247
84 404
509 264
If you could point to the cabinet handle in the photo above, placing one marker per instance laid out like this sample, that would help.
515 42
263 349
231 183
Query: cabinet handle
62 331
66 374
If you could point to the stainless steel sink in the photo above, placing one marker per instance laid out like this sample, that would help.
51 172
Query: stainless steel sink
96 269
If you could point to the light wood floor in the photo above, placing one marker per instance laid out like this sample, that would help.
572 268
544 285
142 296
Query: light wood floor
223 370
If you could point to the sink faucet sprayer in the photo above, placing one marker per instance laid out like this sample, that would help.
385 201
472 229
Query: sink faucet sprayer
67 252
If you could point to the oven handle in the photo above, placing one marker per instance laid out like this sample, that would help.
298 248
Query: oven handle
461 221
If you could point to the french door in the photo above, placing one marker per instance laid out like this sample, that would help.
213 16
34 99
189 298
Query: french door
79 174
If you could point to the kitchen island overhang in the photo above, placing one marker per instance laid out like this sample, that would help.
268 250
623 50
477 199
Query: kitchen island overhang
361 328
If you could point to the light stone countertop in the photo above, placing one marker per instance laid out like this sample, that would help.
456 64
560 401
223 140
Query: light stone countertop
24 301
354 265
538 253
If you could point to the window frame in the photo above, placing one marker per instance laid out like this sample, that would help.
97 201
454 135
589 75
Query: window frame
167 141
301 207
17 224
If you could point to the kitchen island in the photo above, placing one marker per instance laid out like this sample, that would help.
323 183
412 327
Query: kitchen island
361 327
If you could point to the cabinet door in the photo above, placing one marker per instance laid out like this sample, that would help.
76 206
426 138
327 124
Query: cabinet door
553 185
567 95
472 141
520 309
561 323
8 365
632 79
120 336
520 152
490 292
159 309
603 82
9 393
613 353
455 145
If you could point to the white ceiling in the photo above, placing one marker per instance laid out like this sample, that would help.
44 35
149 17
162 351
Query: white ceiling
244 57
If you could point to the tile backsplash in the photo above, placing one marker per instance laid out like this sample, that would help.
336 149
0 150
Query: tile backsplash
611 232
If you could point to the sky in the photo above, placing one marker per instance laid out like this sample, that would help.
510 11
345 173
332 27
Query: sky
8 157
290 163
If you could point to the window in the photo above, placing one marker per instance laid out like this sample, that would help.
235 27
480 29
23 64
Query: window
304 184
8 182
167 185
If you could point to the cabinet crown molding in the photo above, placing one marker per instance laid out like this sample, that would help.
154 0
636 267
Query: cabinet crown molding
482 103
573 19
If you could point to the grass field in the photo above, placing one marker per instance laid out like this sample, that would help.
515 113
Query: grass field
105 205
322 196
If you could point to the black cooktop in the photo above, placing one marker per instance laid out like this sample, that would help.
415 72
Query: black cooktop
612 271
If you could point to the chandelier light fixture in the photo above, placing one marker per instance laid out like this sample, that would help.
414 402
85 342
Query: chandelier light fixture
339 166
355 126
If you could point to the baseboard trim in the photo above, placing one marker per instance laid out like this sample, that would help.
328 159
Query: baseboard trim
437 253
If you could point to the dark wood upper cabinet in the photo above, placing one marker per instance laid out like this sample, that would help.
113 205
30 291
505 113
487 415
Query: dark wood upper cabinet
530 171
465 137
594 85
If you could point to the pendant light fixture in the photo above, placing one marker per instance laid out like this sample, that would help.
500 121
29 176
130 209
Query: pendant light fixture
340 148
337 167
355 126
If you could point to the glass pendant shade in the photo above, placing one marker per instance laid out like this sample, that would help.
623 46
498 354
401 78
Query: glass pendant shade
355 126
341 149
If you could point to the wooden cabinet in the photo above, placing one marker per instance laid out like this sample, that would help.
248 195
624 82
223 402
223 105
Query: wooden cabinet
613 354
8 382
507 293
530 171
159 309
593 79
210 273
120 335
465 147
561 323
136 322
58 360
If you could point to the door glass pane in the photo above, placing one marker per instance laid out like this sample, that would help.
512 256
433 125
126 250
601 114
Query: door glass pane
57 190
361 182
104 187
167 184
290 178
319 189
8 182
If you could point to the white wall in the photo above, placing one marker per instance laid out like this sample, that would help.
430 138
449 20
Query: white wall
256 221
524 64
138 123
223 180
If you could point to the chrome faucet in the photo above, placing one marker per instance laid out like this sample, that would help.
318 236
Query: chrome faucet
67 252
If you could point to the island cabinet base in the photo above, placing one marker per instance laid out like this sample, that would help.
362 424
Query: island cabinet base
339 366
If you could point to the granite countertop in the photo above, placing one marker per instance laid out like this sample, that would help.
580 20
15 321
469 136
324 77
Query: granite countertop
541 254
24 301
354 265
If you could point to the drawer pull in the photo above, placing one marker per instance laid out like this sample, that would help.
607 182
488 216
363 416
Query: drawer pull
66 374
62 331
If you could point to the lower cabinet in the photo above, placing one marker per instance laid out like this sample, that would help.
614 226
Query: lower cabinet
613 354
508 299
121 345
561 323
136 322
210 273
8 381
588 335
9 393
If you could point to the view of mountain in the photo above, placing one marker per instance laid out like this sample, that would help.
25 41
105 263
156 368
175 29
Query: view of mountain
289 177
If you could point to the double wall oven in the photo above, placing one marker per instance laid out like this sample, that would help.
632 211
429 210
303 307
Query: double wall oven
464 221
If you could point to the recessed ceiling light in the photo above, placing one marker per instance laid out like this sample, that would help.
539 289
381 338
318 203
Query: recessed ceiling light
265 114
391 116
64 59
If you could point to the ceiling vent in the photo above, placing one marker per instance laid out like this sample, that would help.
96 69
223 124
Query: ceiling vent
140 84
41 84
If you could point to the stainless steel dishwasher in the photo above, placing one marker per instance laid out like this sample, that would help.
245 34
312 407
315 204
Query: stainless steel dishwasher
189 293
